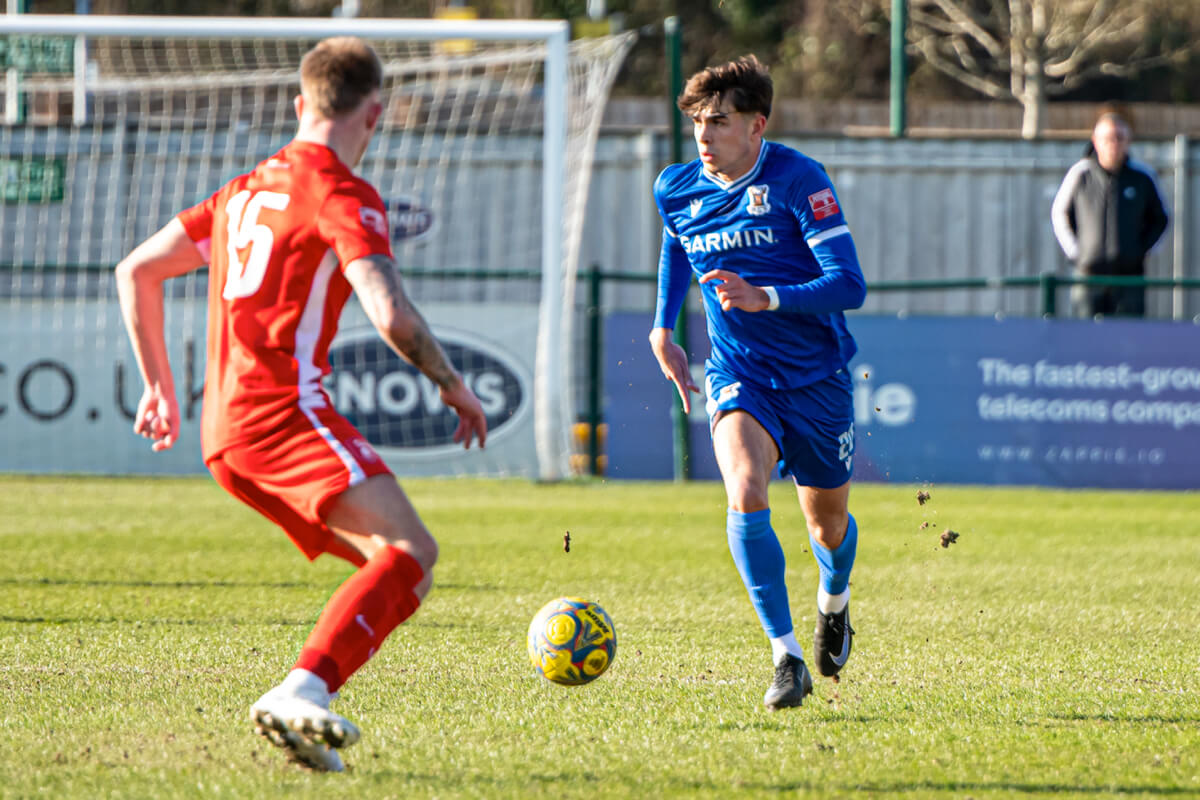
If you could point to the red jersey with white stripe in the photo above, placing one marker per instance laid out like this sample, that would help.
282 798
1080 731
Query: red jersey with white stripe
277 239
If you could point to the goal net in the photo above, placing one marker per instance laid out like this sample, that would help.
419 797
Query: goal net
483 157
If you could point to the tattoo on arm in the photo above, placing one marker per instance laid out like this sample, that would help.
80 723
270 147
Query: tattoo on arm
379 289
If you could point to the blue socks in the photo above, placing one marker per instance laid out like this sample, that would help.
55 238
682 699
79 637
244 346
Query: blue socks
835 565
759 559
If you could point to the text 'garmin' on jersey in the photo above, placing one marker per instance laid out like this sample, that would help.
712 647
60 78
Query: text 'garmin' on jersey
720 241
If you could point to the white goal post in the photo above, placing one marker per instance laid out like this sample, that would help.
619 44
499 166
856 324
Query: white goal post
116 123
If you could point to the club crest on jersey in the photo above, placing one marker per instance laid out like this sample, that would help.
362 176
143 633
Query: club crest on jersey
373 220
695 206
757 204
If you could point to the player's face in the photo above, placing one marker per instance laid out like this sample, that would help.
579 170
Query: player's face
728 141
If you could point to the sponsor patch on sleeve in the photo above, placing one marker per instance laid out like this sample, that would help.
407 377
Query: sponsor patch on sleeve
375 221
823 204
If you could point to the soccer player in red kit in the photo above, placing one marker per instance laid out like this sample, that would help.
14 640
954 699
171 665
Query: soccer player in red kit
286 244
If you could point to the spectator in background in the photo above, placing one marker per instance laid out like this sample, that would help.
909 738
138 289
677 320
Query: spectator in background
1107 215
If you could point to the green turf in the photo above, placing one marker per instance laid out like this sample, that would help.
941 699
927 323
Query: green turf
1054 649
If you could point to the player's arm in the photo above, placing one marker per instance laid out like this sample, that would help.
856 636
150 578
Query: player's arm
674 277
839 287
140 276
377 284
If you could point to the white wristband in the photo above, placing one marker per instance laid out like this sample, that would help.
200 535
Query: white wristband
772 298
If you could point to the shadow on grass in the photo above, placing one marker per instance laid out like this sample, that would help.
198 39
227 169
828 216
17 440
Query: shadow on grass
1018 787
666 786
148 621
214 584
783 725
214 622
156 584
1122 719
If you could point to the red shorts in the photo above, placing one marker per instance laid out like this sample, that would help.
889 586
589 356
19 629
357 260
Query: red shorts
292 475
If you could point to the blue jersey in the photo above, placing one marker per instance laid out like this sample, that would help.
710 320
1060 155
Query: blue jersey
779 225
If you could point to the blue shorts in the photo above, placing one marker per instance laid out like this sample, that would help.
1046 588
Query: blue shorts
812 426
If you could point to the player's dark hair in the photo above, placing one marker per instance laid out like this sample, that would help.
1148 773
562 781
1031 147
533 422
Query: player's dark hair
338 74
745 82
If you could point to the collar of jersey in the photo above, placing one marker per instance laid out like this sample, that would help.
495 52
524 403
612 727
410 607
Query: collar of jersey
735 186
324 150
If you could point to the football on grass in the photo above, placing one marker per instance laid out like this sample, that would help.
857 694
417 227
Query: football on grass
571 641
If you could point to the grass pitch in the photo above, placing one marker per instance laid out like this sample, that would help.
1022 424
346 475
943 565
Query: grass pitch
1053 649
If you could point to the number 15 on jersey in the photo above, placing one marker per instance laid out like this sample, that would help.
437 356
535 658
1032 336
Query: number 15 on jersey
245 230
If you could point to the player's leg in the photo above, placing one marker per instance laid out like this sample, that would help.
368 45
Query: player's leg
375 519
833 536
818 446
286 714
332 494
746 456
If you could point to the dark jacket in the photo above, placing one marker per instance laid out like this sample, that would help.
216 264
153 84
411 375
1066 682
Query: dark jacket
1107 222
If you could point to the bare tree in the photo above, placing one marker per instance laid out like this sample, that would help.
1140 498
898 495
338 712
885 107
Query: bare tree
1030 50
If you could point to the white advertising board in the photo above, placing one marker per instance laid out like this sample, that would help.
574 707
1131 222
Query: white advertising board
69 387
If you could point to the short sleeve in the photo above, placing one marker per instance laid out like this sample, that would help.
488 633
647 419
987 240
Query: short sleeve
198 220
353 221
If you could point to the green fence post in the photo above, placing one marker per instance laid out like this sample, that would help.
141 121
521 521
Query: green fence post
674 37
1049 283
899 70
593 394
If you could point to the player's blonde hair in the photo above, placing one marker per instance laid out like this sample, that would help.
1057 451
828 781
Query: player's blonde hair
745 82
337 74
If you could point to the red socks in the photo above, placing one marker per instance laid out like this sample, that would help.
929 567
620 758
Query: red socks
360 615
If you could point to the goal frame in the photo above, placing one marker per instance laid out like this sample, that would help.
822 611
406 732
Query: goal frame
551 395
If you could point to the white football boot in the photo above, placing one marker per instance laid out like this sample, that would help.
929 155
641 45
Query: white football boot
295 717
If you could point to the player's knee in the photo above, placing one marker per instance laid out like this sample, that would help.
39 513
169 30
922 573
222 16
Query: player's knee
829 530
418 543
746 496
749 506
422 546
433 551
415 571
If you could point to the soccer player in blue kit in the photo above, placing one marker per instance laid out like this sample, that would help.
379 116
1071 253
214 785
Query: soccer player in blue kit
759 224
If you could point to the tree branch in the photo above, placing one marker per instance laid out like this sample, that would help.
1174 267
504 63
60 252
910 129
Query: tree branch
970 23
1018 31
927 47
1111 30
1006 49
1075 79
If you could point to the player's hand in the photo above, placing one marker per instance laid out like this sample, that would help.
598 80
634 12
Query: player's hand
157 418
472 422
673 361
734 292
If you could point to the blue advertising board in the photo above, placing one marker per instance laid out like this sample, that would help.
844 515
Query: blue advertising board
1072 403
